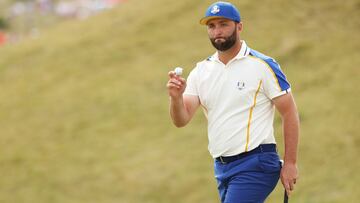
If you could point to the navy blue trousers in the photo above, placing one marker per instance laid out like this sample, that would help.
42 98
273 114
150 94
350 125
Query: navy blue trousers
249 179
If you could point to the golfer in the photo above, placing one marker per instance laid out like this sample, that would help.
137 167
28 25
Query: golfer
239 88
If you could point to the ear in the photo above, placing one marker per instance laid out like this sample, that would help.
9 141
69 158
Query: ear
240 26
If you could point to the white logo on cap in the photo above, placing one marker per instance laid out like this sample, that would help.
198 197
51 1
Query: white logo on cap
215 9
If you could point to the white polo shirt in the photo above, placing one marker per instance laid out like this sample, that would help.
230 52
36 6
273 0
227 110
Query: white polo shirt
236 99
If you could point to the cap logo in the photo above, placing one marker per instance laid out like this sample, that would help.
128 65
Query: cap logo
215 9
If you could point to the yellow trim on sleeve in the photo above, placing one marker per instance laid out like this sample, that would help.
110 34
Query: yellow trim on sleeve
273 73
250 116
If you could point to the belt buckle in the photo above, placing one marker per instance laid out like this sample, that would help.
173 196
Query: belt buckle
221 160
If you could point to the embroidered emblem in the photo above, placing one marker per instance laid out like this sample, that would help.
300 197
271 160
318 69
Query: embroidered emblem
240 85
215 9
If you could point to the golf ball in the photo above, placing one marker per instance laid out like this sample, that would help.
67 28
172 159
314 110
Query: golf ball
178 71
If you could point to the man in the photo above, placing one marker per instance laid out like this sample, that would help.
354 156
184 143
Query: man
237 88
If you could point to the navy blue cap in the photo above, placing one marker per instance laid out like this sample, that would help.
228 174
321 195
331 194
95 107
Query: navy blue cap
221 9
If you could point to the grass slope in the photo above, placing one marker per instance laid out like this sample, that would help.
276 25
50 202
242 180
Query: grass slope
84 109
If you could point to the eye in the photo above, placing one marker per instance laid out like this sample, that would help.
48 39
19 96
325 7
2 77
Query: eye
211 26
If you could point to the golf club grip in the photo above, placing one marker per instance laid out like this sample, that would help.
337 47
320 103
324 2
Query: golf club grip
286 198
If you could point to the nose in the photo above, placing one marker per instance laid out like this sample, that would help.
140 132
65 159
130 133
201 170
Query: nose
218 32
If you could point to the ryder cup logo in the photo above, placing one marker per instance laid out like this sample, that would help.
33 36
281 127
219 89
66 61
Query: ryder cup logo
215 9
240 85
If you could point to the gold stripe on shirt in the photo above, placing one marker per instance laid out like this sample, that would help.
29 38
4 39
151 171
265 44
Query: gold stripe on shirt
250 116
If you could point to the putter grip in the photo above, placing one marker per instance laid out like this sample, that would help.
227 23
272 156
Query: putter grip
286 198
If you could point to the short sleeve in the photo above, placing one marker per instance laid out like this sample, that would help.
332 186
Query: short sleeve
192 83
275 82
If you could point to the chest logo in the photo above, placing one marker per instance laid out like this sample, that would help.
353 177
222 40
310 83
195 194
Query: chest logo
240 85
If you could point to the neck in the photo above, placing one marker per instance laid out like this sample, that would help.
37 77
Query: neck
226 56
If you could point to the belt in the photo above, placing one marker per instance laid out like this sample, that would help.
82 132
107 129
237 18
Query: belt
257 150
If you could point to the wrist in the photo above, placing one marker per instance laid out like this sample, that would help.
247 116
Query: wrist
289 162
176 98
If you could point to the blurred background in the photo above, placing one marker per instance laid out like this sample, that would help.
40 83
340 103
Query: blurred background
84 108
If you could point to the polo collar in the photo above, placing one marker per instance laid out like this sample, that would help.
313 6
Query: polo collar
244 51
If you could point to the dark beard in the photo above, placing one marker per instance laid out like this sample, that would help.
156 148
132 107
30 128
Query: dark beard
227 44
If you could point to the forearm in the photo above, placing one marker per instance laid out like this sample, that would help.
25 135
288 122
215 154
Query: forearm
287 108
291 136
178 112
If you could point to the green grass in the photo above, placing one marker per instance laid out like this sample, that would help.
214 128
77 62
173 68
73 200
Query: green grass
84 108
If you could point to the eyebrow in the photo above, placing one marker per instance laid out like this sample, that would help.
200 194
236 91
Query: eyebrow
224 21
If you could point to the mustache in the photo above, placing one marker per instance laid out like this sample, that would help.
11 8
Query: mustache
215 38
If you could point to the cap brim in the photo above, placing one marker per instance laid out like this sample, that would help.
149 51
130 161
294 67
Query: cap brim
205 20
